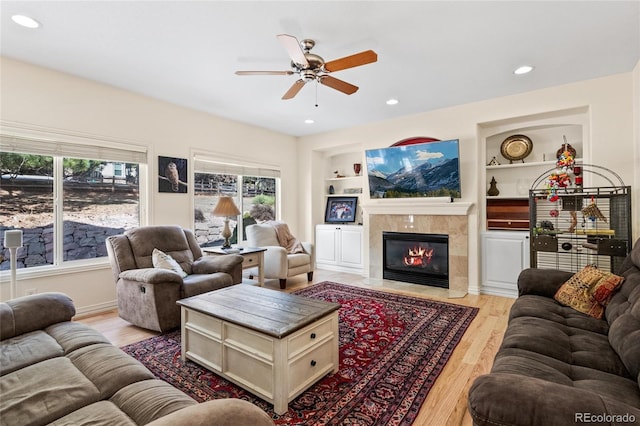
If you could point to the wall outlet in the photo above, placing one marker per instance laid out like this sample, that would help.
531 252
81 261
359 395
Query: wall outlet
31 291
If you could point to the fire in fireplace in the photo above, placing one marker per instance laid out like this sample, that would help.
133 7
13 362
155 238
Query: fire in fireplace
416 258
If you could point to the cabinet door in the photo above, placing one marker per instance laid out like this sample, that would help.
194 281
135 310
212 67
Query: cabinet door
351 246
504 255
326 244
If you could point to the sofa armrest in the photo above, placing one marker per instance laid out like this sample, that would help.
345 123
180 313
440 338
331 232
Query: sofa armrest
541 282
310 249
275 262
211 264
219 412
34 312
515 400
151 276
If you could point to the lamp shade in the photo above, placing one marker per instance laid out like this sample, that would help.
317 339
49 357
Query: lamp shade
13 239
226 207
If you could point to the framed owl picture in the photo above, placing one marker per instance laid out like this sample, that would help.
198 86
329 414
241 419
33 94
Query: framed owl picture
172 175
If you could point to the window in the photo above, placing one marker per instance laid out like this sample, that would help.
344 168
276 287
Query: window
254 190
67 198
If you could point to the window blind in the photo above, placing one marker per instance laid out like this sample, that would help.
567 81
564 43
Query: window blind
205 164
92 150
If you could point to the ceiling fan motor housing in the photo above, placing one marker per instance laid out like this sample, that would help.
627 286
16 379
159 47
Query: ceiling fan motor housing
308 75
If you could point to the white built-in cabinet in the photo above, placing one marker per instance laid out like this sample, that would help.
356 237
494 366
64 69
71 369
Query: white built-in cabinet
340 248
504 255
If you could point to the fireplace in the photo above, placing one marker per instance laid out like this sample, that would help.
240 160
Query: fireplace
416 258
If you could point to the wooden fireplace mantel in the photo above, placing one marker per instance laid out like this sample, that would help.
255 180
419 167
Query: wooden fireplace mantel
416 206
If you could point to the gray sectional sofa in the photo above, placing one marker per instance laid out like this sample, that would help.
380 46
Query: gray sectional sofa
557 366
55 371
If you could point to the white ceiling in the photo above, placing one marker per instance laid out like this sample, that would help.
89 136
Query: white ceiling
431 54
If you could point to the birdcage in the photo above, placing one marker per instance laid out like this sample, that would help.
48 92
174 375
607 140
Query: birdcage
572 226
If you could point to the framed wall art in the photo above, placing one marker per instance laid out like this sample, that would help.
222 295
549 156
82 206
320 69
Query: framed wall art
341 210
172 175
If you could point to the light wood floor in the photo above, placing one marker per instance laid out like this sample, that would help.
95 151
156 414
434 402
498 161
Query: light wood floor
446 403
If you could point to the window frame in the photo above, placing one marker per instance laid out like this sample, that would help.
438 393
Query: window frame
15 134
219 163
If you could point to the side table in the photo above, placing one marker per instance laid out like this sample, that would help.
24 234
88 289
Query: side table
253 257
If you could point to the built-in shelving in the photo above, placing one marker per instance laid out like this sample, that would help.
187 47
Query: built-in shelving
547 164
548 133
506 228
345 178
348 183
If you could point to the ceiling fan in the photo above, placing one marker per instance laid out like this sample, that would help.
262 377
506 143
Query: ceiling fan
311 67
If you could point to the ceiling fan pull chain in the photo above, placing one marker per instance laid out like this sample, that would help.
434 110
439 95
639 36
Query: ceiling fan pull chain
316 93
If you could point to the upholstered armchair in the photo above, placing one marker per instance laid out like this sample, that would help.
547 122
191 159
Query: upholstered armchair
278 262
147 295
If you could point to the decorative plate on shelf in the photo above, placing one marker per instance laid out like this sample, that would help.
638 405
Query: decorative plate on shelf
516 147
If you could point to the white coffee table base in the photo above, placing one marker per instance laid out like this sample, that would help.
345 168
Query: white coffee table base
274 369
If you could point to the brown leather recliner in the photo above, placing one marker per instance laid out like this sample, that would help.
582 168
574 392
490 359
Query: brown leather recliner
146 295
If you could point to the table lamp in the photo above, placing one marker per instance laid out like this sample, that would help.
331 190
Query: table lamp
13 240
226 207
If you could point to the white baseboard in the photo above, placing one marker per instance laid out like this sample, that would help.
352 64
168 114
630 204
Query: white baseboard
96 309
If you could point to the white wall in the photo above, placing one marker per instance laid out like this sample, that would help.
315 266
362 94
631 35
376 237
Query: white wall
610 101
42 97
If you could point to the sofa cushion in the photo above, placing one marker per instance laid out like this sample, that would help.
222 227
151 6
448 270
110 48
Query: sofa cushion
27 349
196 284
169 239
34 312
107 368
623 315
559 347
43 392
547 308
264 234
605 288
298 259
74 335
148 400
229 412
162 260
100 413
588 290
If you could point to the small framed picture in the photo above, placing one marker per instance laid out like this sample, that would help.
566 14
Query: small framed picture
341 210
172 175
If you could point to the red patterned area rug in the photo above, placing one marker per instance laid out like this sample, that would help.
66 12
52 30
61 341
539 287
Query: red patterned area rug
392 349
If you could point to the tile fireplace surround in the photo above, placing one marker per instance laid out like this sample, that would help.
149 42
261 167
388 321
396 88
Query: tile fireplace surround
422 217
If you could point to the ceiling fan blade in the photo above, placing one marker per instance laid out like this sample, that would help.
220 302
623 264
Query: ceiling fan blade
293 90
340 85
264 72
362 58
293 49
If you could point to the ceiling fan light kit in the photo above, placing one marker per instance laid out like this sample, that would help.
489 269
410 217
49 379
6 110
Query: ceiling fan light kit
311 67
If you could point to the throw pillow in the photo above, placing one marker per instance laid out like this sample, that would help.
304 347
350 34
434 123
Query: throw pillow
162 260
603 290
588 291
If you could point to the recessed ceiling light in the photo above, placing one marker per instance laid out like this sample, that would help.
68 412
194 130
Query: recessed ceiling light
25 21
309 121
392 102
523 69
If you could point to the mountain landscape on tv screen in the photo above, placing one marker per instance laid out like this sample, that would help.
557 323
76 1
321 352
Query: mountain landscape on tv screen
425 170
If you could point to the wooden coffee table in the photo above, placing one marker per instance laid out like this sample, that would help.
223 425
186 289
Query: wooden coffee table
273 344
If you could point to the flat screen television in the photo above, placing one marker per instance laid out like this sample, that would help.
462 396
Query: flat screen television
341 210
427 169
